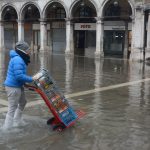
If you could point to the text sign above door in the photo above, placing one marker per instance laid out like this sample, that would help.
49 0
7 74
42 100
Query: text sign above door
85 26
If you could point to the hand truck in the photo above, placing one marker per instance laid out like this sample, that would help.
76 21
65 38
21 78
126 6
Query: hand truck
64 115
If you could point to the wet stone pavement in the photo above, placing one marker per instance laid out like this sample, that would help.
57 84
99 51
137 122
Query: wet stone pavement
114 93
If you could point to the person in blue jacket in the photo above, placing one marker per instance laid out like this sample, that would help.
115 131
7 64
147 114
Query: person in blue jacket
15 79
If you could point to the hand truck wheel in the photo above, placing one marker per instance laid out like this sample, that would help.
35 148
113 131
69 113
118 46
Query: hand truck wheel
59 127
50 121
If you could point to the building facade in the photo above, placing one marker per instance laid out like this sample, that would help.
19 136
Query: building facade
93 28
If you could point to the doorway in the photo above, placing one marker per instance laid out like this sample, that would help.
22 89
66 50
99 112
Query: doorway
80 42
36 40
114 43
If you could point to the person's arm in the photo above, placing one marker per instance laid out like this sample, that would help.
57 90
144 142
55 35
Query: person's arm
19 73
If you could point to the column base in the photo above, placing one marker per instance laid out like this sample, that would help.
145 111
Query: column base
136 54
147 53
48 49
35 49
68 53
99 55
125 54
45 49
2 49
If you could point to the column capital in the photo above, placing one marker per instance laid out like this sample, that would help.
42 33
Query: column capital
42 21
68 19
99 54
100 20
132 18
20 21
139 8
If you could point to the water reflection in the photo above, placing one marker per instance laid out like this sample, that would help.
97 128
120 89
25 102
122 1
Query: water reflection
96 107
69 73
138 98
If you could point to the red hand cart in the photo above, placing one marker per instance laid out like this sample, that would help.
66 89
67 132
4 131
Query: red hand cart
64 115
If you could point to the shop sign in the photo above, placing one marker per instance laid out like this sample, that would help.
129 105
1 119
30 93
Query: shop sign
37 26
58 25
117 27
8 26
114 27
85 26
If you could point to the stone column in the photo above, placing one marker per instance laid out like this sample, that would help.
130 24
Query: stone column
138 36
32 43
126 43
99 38
72 38
20 30
14 35
69 38
148 37
43 35
133 24
1 35
50 46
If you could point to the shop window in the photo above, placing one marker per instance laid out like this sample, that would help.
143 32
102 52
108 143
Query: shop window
60 13
56 13
85 12
113 10
32 13
10 15
36 37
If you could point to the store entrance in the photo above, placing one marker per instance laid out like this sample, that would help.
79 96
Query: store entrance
114 43
80 42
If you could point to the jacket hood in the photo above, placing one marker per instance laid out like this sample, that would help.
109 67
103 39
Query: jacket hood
13 53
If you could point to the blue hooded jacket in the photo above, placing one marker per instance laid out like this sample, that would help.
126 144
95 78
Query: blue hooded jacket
16 73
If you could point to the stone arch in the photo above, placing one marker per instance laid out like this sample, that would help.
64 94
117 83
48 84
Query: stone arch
118 27
51 2
77 1
54 14
5 6
9 16
21 12
106 1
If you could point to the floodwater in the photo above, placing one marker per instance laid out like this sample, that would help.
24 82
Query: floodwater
113 93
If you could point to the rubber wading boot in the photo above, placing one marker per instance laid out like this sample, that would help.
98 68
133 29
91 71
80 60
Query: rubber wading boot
17 117
8 122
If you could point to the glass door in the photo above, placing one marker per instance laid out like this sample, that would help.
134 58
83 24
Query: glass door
36 38
114 43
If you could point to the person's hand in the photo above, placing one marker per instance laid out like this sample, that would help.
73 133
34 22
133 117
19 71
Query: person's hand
34 78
